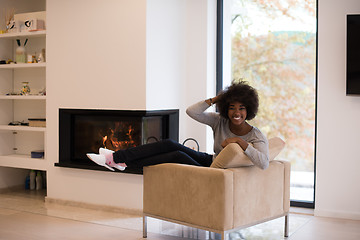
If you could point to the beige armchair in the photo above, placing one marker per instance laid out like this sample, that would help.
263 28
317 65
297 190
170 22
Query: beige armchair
214 199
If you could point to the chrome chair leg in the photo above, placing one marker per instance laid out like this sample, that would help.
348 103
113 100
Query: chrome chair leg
144 226
286 230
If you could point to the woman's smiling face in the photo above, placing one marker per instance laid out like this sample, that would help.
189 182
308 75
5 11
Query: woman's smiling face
237 113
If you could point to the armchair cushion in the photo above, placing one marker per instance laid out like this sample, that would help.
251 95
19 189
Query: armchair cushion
233 155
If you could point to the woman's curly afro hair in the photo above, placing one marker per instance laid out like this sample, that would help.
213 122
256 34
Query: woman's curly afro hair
239 92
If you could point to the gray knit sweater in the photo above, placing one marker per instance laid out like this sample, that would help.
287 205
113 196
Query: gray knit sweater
258 148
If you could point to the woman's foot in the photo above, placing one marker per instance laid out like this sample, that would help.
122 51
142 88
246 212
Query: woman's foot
104 151
110 160
99 159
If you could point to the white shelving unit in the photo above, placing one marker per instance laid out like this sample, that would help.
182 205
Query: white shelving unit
16 97
22 128
23 161
17 142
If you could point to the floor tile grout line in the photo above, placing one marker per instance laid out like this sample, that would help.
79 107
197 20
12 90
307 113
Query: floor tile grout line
302 226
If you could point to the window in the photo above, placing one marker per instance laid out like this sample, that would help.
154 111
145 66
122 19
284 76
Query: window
272 45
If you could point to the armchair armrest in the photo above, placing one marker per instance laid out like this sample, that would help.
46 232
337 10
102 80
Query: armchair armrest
197 195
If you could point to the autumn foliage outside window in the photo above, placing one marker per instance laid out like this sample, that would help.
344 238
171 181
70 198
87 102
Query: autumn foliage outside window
273 47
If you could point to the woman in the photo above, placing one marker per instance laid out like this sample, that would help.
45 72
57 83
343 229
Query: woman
237 104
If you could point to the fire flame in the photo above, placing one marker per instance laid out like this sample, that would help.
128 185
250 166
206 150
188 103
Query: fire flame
110 141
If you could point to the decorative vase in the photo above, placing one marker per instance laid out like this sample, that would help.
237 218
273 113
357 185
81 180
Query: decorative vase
20 56
20 53
25 90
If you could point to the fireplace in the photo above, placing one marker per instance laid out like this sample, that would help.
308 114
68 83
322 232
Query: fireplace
84 131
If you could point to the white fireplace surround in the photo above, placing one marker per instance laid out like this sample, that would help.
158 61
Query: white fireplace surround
129 55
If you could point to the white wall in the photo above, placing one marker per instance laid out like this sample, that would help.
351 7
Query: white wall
338 159
121 54
180 64
96 53
199 81
165 52
95 59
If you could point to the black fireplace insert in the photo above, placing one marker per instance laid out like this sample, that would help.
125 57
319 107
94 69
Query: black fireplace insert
84 131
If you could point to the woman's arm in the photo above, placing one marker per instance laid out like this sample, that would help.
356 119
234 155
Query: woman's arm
257 152
241 142
197 112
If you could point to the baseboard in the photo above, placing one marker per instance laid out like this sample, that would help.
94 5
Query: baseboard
302 211
337 214
112 209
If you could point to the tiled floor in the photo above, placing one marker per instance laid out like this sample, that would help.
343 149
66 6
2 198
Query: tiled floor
24 215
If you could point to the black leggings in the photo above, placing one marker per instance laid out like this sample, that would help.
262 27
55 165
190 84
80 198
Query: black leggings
166 151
